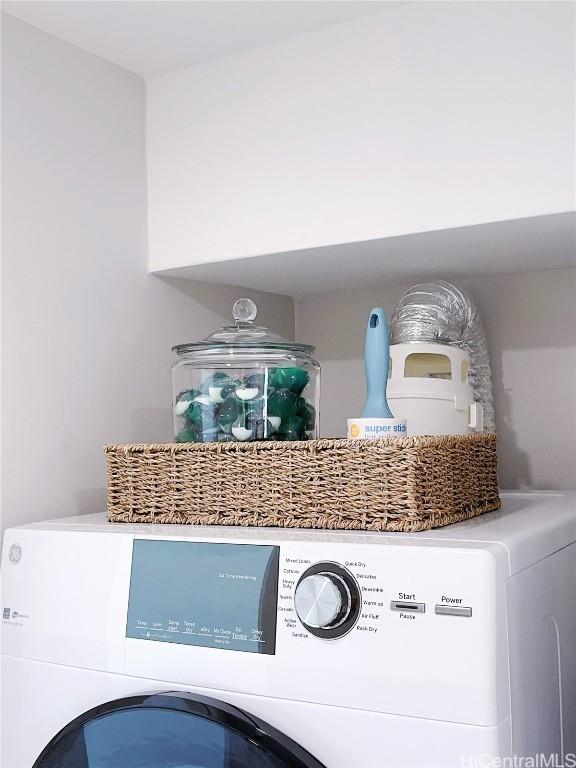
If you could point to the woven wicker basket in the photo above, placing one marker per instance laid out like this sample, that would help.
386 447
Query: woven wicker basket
393 484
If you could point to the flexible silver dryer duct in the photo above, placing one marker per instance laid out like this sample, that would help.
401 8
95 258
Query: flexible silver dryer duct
443 313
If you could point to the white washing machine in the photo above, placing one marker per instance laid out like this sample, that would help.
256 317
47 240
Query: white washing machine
134 646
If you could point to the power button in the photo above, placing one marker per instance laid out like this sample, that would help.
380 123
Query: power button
453 610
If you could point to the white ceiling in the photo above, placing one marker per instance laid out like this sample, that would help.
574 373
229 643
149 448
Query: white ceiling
152 37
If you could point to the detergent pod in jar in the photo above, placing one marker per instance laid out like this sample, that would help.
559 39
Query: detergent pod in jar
244 383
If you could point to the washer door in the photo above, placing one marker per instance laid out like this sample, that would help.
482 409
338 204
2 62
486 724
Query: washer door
171 730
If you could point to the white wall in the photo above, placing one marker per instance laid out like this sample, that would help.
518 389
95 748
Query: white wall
86 332
428 115
530 323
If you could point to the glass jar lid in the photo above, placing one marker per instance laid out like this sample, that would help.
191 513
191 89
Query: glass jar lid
243 333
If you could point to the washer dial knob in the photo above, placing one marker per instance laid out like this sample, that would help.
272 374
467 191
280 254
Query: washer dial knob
327 600
322 600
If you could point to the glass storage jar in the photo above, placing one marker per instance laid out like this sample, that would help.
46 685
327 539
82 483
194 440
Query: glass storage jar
245 383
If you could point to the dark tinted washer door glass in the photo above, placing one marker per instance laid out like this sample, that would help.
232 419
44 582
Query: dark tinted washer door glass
157 737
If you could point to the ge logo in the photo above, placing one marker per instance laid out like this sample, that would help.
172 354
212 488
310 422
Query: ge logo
15 553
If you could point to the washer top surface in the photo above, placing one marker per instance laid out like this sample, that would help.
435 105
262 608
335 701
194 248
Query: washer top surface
530 526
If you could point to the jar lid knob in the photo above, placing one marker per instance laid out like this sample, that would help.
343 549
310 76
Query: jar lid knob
244 310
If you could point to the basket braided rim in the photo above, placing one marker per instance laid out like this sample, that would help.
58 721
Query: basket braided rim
326 443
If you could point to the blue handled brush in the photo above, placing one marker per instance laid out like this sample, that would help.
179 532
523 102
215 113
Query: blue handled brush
377 357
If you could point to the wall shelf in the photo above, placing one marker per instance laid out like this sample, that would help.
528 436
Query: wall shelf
519 245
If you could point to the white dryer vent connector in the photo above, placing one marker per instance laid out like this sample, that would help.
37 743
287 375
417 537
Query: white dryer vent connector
443 313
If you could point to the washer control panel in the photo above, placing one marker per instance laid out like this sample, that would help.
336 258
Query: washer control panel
370 596
327 600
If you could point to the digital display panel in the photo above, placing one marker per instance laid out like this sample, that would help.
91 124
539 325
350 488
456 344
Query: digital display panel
205 594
